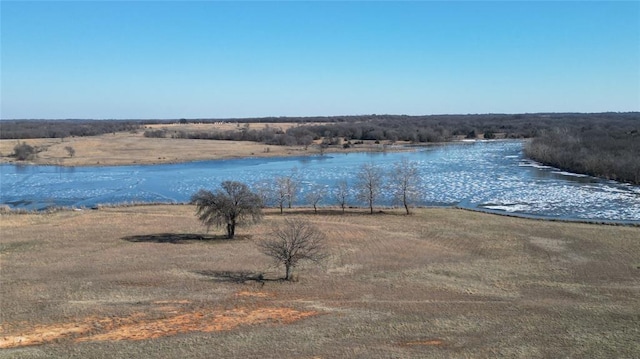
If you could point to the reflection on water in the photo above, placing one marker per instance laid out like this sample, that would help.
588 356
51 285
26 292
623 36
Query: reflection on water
555 174
486 175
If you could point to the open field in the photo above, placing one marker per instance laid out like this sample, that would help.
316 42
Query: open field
123 148
126 148
148 282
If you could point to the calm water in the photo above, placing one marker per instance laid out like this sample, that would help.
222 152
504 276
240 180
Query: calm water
484 175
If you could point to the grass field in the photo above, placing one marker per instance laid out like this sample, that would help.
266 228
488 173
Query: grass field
126 148
148 282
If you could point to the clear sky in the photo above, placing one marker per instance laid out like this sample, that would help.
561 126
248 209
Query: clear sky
126 59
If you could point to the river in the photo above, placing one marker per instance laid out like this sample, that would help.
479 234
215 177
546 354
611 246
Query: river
492 176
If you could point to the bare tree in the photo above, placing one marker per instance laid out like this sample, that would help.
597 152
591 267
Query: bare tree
369 184
403 182
70 150
322 148
293 241
286 189
316 195
291 184
341 193
306 140
265 191
23 151
280 192
231 205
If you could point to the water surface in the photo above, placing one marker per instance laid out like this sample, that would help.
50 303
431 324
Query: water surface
481 175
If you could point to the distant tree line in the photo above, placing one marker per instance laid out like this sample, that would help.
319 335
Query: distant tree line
414 129
419 129
267 135
23 129
602 151
442 128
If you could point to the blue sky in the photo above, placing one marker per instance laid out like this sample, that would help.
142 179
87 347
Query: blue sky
126 59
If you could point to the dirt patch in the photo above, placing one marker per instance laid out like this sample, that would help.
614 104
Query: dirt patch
139 326
426 342
43 334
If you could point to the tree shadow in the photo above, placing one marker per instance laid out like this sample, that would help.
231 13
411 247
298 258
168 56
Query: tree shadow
236 276
177 238
349 211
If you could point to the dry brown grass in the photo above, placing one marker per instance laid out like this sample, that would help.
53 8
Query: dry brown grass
441 283
125 148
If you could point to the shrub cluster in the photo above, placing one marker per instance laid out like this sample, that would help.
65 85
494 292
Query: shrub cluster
23 152
267 135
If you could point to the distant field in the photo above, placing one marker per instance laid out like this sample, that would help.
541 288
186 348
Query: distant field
140 282
124 148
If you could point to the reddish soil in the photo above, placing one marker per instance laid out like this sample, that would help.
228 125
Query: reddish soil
139 326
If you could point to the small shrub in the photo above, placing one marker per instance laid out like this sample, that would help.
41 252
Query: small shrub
24 152
489 135
70 150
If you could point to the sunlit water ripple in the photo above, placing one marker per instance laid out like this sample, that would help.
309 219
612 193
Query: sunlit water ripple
491 175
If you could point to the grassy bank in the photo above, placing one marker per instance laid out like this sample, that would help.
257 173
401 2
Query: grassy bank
147 281
127 148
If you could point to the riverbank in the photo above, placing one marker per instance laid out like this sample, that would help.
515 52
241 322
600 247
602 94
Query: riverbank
130 148
442 282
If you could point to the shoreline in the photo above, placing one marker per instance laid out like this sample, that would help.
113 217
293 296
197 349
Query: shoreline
289 152
6 210
126 149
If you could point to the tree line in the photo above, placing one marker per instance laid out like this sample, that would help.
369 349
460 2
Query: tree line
431 128
235 200
606 152
23 129
371 182
266 135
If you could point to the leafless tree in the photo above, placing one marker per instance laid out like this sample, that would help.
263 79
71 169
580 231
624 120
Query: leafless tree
322 148
315 195
70 150
341 193
294 241
280 192
23 151
369 184
403 182
266 192
292 185
231 205
286 190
